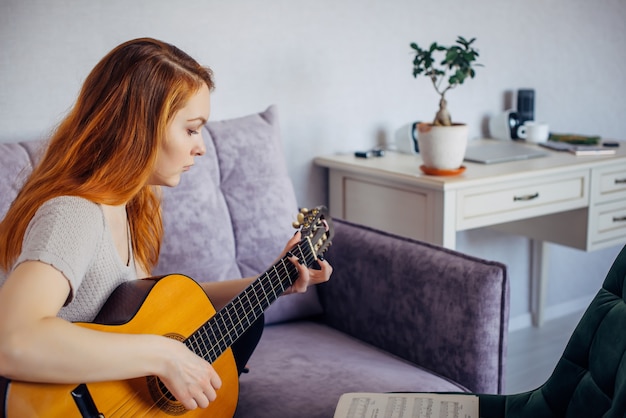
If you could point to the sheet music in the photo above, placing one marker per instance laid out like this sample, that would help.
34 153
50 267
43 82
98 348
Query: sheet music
406 405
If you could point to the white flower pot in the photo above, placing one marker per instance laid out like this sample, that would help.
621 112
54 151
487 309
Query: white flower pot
442 147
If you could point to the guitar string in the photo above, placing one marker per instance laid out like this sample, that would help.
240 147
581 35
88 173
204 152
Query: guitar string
265 277
158 405
216 330
220 324
221 339
119 408
163 400
223 343
127 405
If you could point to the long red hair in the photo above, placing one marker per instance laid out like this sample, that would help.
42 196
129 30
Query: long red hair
105 148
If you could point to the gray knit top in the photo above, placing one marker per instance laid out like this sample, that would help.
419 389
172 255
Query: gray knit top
71 234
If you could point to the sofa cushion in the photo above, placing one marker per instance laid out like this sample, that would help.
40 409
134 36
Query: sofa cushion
228 220
15 166
306 366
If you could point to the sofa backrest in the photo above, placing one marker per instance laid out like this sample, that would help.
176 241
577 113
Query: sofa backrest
16 164
230 216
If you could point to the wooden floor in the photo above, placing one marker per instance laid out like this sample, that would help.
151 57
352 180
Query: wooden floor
533 352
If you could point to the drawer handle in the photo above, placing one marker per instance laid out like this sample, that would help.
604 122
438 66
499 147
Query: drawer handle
525 198
619 218
620 181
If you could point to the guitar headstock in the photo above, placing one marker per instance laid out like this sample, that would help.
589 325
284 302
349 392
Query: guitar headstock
317 227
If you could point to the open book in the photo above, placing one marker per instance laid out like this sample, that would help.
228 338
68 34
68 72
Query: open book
406 405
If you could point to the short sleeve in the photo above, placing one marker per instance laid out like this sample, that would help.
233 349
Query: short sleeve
65 233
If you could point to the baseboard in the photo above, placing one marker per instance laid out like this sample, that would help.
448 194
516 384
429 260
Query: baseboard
569 307
551 312
522 321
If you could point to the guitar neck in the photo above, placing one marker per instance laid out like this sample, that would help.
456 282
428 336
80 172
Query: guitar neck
227 325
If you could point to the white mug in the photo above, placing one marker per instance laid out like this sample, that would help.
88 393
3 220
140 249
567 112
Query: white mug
504 125
406 138
533 131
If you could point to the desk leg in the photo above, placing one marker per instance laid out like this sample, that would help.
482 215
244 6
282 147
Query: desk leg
539 280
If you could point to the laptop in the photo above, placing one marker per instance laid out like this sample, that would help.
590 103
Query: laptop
500 152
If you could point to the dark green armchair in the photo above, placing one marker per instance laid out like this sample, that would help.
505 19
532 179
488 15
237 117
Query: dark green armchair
590 378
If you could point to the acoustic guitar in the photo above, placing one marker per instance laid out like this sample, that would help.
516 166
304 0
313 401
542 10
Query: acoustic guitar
177 307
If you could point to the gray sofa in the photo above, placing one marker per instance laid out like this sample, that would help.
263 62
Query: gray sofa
397 315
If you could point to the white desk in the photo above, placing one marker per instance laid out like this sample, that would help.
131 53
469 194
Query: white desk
577 201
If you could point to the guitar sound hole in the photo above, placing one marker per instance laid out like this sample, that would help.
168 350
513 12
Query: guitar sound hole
166 393
163 398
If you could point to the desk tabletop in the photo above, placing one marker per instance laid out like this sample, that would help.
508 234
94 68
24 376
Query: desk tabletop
406 167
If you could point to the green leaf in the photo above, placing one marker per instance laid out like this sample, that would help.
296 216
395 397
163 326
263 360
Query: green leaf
457 64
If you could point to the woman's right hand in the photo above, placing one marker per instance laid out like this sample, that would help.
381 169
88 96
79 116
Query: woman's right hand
191 379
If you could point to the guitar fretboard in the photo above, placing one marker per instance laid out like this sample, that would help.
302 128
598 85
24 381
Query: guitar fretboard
227 325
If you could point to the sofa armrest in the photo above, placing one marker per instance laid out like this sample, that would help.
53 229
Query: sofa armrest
440 309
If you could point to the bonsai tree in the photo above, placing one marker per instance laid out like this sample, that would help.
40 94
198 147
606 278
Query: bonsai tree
457 65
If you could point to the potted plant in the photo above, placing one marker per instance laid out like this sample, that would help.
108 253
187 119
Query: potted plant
442 143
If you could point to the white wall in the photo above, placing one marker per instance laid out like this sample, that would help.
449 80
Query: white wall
340 72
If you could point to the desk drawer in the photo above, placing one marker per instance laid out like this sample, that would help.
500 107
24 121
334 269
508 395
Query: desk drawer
509 201
608 224
609 183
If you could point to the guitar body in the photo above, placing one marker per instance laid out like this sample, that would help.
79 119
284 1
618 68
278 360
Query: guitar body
174 306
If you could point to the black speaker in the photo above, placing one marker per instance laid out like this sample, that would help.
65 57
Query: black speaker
525 105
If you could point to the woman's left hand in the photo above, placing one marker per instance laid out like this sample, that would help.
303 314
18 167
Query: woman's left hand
306 276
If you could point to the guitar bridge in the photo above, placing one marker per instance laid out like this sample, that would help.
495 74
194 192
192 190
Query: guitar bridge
84 402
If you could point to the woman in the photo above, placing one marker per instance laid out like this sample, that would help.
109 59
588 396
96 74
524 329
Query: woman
88 219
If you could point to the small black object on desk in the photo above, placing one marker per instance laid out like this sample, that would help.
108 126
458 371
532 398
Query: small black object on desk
376 152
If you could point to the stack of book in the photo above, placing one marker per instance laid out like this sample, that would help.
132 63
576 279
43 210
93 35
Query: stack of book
579 149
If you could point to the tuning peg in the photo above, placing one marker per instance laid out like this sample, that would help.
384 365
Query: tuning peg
295 224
